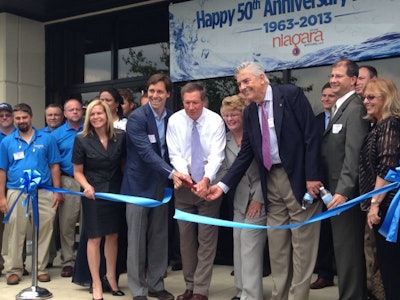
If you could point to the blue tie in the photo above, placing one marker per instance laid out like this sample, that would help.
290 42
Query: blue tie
196 165
327 117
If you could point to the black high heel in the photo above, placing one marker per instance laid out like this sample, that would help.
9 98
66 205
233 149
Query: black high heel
114 293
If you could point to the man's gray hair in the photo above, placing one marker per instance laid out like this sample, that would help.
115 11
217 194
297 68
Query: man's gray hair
255 68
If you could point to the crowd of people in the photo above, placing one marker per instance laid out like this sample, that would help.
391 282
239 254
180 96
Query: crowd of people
266 147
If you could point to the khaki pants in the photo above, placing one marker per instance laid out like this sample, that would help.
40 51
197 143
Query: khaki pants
293 252
17 227
68 216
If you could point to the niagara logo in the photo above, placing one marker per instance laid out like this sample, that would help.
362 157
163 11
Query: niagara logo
313 36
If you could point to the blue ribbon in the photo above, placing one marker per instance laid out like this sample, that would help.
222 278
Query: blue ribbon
390 225
141 201
30 183
389 231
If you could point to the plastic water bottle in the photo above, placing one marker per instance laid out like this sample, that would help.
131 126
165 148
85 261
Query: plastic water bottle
307 201
326 195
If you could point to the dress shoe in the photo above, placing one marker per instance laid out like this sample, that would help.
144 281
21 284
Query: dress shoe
161 295
44 277
320 283
199 297
186 295
25 272
113 292
236 298
12 279
176 266
140 298
67 271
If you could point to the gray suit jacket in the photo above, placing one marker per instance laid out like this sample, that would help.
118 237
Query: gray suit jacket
341 145
249 187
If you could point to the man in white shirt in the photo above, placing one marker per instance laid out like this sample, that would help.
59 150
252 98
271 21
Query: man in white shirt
198 241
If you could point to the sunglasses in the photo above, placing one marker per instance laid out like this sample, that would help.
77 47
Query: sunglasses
371 97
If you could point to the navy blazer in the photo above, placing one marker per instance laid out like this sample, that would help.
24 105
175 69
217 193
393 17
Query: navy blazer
298 142
145 166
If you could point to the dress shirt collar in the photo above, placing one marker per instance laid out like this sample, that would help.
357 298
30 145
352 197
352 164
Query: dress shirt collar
268 94
269 98
341 100
200 120
164 113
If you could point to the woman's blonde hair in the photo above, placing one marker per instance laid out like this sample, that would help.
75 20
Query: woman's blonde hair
88 128
390 95
232 103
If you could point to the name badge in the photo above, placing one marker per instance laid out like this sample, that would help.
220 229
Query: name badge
19 155
152 138
336 128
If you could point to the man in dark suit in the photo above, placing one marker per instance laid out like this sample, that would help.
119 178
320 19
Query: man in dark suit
146 175
324 265
294 154
340 151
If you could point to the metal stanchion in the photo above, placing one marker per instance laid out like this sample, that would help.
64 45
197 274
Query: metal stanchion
34 292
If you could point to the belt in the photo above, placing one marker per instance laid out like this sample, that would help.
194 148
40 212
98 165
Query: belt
276 166
66 174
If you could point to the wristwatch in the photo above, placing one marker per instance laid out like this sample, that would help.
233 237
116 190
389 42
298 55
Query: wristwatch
374 201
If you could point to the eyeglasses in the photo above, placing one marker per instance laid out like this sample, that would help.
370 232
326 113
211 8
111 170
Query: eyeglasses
232 116
5 115
371 97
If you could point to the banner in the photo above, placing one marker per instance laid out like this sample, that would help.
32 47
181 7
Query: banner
209 38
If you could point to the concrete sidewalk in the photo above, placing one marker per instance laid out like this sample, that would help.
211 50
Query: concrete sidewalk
221 286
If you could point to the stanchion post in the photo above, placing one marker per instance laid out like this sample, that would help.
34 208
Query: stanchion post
34 292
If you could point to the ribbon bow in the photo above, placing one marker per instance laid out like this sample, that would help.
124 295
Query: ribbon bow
390 225
30 182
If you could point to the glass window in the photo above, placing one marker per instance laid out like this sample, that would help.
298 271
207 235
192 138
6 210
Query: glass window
87 97
143 60
97 40
97 66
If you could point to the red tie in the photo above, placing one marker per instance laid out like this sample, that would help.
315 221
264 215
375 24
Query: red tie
265 137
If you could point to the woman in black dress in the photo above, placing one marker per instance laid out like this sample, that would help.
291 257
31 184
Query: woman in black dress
98 156
380 153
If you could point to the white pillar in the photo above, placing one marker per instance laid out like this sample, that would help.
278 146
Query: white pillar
22 64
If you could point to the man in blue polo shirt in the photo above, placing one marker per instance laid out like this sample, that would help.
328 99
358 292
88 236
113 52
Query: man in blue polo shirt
6 127
6 120
27 148
69 209
54 117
